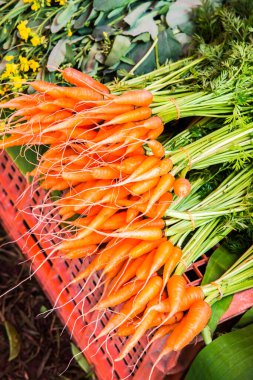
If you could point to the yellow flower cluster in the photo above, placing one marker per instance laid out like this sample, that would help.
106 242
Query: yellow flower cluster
35 4
14 72
26 32
61 2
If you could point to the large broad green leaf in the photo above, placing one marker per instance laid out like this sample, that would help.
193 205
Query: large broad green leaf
25 158
120 47
245 320
179 12
228 357
219 262
144 24
133 16
109 5
14 340
57 55
62 18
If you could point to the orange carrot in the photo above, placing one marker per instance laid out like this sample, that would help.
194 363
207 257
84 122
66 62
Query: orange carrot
148 233
176 287
163 168
106 172
144 247
131 214
139 98
81 252
182 187
146 165
78 78
93 238
164 185
190 326
156 148
171 263
129 164
71 92
142 187
143 271
141 113
162 254
153 122
122 295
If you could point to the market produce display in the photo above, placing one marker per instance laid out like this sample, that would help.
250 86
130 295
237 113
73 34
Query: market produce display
140 200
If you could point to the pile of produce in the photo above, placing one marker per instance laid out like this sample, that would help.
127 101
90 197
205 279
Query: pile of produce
142 204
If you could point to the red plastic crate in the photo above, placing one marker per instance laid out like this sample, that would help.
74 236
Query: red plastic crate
19 217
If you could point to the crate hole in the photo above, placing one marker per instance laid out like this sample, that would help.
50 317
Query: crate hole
13 169
67 290
103 351
116 374
109 361
10 176
66 263
11 202
202 269
192 275
20 178
3 166
17 187
6 158
60 279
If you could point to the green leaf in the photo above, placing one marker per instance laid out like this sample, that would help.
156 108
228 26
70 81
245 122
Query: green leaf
80 359
144 24
120 47
179 12
144 37
220 260
227 357
109 5
70 55
57 55
62 18
129 61
168 46
14 340
133 16
25 158
218 309
98 32
115 12
245 320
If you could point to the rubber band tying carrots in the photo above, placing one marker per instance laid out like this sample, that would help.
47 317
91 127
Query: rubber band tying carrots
218 287
192 220
173 100
188 156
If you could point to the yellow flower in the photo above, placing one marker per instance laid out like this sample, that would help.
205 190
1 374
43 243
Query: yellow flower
2 124
10 68
24 64
61 2
35 4
9 58
36 40
48 3
33 65
23 30
17 81
69 33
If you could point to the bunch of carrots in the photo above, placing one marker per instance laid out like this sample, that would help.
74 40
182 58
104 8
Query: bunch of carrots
113 199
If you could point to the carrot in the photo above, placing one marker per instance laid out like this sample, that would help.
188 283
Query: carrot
129 164
144 325
81 252
161 256
182 187
163 205
78 78
154 133
148 233
156 148
131 215
171 263
127 273
163 168
119 254
164 185
114 195
128 328
93 238
144 247
192 294
146 165
154 122
162 331
143 271
106 172
77 176
71 92
97 263
99 219
159 223
142 187
110 109
176 287
139 98
66 103
190 326
141 113
122 295
48 107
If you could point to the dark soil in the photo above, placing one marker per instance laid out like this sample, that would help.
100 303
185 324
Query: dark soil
44 354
